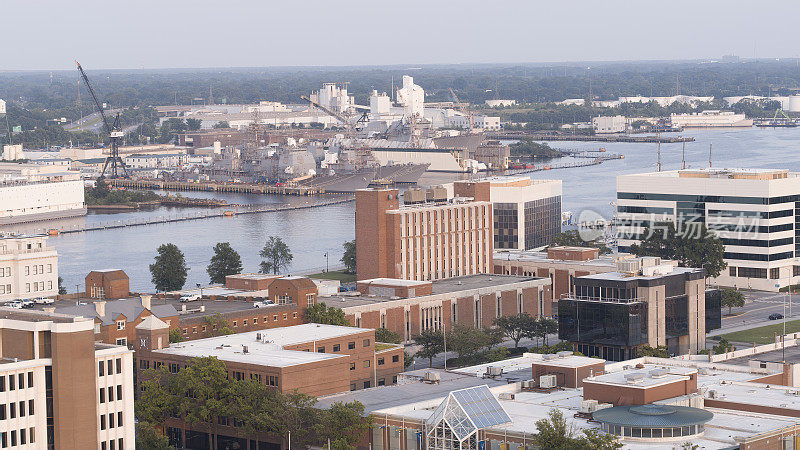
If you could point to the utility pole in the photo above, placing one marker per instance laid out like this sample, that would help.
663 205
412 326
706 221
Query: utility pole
658 136
684 155
709 154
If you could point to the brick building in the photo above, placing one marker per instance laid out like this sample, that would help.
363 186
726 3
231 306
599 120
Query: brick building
58 388
107 284
411 307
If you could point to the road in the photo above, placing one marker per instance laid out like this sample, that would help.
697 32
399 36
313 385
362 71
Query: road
758 306
92 122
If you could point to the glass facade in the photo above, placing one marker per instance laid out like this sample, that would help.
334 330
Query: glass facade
506 225
652 432
603 323
713 309
542 221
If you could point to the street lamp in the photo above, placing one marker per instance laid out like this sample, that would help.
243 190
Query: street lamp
326 262
783 338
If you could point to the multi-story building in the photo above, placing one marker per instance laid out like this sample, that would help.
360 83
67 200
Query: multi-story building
609 124
613 314
58 388
30 192
424 239
28 268
408 307
107 284
312 358
751 210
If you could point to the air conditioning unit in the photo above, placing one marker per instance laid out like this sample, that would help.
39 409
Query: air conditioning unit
588 406
547 381
528 384
603 406
636 377
564 354
493 371
712 393
432 377
659 373
505 396
549 356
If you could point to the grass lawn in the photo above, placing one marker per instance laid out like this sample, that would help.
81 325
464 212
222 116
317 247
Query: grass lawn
761 335
335 275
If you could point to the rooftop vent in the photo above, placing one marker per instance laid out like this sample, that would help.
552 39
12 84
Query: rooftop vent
636 377
659 373
493 371
244 349
432 377
549 356
564 354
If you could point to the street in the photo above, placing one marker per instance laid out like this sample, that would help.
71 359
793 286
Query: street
758 306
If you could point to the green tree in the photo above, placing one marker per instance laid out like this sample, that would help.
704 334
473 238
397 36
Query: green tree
408 359
100 189
732 298
205 391
61 289
594 439
226 261
572 238
193 124
221 124
169 271
277 256
547 326
723 346
515 327
349 257
659 352
175 335
345 425
387 336
553 433
431 343
692 246
466 341
330 315
147 438
217 325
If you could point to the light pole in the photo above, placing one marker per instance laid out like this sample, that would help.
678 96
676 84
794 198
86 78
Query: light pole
326 262
783 338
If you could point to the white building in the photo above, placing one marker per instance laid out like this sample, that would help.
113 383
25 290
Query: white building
12 152
412 97
2 106
487 122
609 124
711 119
527 212
501 103
28 268
751 210
334 97
379 103
30 192
161 160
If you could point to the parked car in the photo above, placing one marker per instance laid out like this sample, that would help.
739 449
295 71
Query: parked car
28 303
44 301
190 298
263 304
775 316
15 304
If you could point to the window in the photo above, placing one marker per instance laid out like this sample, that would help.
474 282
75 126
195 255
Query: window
395 358
119 365
320 349
352 366
367 363
380 361
11 382
32 435
102 421
30 407
336 347
21 378
30 379
119 419
120 325
111 393
110 367
2 384
12 410
382 382
103 446
110 420
119 392
122 341
13 437
22 408
111 445
102 395
366 384
732 271
3 412
366 342
775 273
120 442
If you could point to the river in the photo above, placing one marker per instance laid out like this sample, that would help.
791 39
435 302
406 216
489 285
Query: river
310 233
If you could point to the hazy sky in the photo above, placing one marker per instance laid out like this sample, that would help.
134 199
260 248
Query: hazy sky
236 33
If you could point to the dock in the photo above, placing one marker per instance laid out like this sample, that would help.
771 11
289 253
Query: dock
244 188
587 159
624 138
195 216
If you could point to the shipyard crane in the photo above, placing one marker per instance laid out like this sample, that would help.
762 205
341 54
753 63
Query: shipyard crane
465 106
114 133
341 118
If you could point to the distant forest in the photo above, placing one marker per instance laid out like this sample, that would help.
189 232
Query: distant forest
35 97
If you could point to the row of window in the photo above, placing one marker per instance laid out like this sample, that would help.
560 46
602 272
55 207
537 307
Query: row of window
368 384
350 346
245 322
110 446
110 390
108 367
9 438
144 364
16 381
38 286
15 409
37 269
5 288
110 423
5 272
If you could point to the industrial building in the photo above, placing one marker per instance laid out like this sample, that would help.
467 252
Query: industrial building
30 192
710 119
609 124
647 402
751 210
28 268
58 388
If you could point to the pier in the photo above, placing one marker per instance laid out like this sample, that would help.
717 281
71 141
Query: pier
626 138
244 188
588 159
193 216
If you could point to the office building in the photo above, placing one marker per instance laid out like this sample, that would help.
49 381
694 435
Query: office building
751 210
30 192
613 314
28 268
409 307
423 239
58 388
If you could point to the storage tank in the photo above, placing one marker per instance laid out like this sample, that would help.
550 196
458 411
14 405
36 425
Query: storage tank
794 103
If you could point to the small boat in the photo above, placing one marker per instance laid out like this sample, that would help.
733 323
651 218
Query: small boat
53 232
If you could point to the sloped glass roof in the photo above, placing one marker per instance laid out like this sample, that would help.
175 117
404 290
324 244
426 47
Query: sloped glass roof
468 410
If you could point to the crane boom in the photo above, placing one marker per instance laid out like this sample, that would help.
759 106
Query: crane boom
337 116
94 97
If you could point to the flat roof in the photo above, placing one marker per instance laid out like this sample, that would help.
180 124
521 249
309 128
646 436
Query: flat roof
394 282
269 351
647 380
604 261
622 276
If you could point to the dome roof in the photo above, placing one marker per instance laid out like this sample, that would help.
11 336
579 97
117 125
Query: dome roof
652 416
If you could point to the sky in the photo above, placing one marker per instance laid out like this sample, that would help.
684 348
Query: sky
155 34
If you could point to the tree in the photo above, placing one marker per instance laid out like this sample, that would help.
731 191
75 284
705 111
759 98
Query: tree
349 257
226 261
100 189
61 289
193 124
329 315
169 271
732 298
692 246
345 425
658 352
547 326
147 438
553 433
221 124
723 346
276 254
431 343
515 327
175 336
466 341
573 239
408 359
387 336
594 439
217 325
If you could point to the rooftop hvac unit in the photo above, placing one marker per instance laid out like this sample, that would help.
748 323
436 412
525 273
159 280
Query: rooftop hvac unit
564 354
603 406
528 384
712 393
547 381
703 371
630 267
244 349
659 373
634 377
588 406
650 261
550 356
493 371
437 194
505 396
258 336
432 377
414 196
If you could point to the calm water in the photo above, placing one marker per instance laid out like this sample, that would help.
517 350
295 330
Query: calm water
311 233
